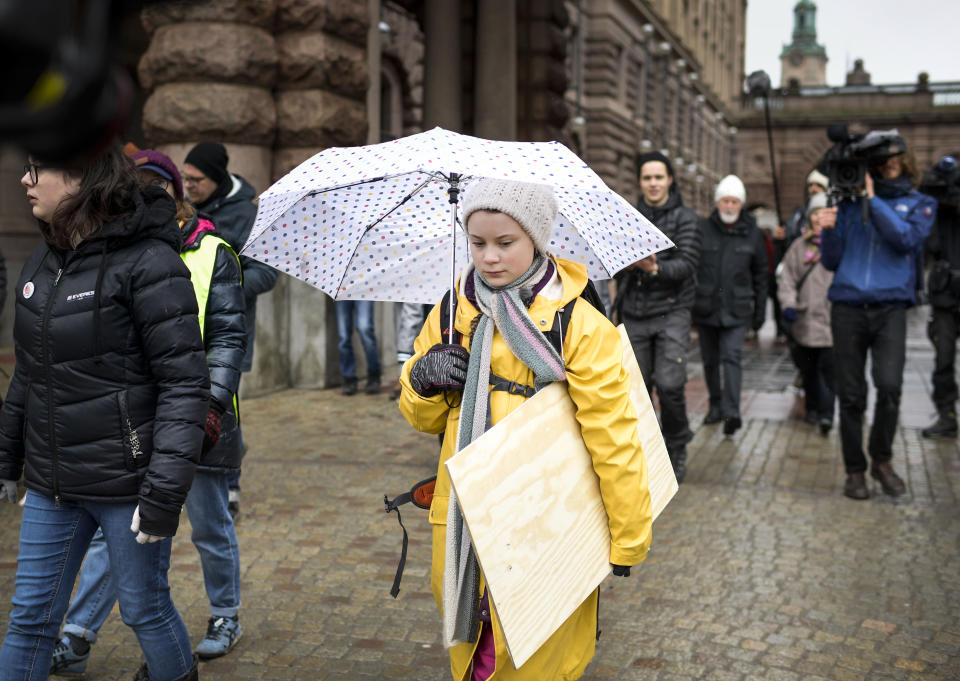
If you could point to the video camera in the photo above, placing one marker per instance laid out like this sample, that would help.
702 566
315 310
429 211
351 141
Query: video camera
64 97
847 162
942 181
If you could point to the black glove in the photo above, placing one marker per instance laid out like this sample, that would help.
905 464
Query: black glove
621 570
444 367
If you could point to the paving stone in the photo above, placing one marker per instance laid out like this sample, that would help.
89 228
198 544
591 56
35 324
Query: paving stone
760 568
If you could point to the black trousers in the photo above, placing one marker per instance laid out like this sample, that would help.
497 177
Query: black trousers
942 330
661 344
819 388
722 346
882 331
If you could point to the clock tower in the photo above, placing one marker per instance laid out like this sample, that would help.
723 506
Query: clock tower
804 60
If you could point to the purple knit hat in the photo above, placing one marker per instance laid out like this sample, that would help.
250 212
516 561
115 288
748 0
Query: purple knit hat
160 163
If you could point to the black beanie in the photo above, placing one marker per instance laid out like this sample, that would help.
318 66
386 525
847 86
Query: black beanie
211 159
652 156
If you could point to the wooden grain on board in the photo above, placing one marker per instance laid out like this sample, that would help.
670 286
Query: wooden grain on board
532 504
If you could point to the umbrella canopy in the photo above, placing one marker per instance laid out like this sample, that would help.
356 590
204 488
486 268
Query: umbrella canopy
375 222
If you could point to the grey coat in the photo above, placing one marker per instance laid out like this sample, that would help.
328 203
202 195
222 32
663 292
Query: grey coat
812 328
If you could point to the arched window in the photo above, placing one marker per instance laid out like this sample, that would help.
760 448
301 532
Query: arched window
391 101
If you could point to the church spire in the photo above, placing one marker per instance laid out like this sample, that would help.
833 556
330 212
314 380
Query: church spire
804 60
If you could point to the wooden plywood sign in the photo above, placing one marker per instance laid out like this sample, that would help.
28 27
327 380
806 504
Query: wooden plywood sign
532 504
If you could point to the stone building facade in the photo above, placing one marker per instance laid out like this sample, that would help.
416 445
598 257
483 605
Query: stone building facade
279 80
926 114
663 75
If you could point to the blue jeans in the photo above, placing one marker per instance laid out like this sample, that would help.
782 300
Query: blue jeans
215 539
360 311
53 541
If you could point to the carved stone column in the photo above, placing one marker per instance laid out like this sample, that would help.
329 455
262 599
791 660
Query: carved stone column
495 100
210 70
442 93
321 101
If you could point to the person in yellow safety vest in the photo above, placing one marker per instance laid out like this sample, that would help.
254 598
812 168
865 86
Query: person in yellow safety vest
217 280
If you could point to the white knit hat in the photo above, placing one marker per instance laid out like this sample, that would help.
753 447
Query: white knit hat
730 186
532 205
816 202
816 177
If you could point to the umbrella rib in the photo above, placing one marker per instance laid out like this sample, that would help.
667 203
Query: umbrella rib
413 192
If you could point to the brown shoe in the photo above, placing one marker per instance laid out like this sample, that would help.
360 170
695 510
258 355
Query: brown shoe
856 487
891 483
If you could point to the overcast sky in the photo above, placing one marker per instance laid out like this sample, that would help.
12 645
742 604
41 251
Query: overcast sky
897 39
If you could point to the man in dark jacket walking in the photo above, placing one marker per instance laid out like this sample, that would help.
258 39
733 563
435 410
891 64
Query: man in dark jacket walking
654 297
228 200
877 276
731 297
943 287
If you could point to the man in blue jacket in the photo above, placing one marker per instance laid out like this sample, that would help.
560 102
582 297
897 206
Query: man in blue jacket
878 270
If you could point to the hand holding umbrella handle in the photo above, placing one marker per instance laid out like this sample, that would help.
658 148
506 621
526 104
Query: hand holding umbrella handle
443 367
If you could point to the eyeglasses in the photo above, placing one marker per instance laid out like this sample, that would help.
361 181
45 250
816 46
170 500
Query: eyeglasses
187 179
33 170
161 182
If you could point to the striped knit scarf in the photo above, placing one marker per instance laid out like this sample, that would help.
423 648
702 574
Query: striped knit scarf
503 310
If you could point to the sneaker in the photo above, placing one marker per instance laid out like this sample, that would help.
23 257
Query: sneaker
222 635
68 662
233 503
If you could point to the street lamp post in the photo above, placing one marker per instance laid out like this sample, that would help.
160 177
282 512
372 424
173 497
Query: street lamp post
758 85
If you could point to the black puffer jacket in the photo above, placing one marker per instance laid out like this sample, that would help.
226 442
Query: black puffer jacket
225 339
732 277
233 214
111 388
640 295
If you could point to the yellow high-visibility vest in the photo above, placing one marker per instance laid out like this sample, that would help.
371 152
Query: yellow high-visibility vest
201 262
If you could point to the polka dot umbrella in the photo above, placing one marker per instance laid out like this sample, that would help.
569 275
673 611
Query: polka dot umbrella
376 222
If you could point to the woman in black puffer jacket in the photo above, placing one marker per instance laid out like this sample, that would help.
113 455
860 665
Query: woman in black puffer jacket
105 412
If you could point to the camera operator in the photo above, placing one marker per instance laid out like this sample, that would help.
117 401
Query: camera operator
943 288
874 251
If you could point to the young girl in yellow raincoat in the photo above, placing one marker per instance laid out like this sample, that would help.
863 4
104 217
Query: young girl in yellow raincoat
508 297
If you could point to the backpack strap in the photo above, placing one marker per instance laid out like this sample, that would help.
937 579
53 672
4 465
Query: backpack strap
421 495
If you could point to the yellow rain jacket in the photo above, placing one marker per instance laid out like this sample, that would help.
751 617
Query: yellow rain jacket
599 386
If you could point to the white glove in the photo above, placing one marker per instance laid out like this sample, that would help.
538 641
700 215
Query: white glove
142 537
8 490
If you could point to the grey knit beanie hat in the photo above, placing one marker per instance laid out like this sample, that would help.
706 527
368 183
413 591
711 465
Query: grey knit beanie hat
532 205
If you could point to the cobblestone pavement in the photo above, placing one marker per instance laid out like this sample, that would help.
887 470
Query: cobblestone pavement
760 568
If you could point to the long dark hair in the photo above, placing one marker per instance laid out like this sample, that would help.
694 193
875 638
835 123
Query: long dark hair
108 184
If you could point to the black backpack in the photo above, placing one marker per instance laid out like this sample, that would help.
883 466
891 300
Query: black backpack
421 494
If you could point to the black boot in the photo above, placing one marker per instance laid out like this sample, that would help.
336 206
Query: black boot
349 386
373 384
945 426
713 416
191 675
678 458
